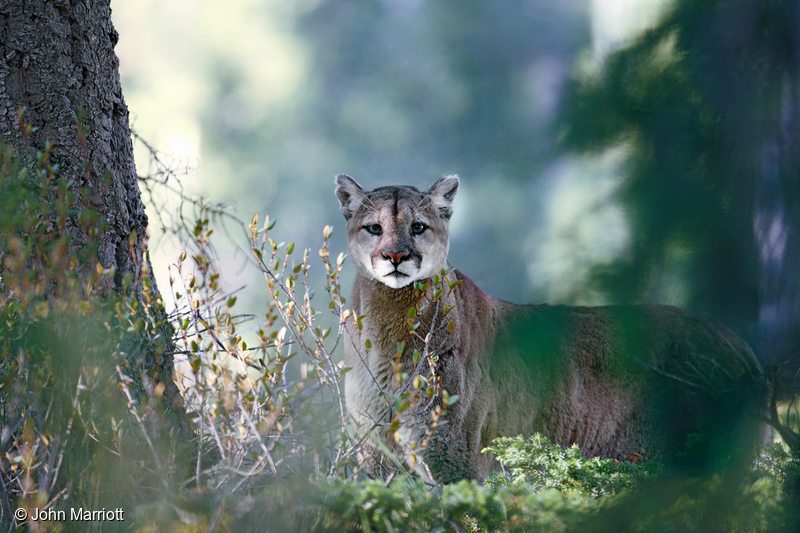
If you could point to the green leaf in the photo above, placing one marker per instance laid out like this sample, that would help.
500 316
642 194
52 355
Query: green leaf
450 399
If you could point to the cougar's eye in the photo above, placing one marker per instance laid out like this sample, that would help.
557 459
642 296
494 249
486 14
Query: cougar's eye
418 228
374 229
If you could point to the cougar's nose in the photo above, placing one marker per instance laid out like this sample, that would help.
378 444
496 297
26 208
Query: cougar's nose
396 257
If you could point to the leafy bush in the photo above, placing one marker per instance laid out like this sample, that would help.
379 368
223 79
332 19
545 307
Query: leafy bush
407 504
539 463
543 487
548 488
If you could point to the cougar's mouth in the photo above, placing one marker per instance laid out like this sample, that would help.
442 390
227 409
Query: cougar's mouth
394 276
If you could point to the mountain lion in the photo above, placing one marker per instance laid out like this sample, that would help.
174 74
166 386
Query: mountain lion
624 382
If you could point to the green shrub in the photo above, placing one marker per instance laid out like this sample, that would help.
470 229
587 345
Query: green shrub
539 463
408 504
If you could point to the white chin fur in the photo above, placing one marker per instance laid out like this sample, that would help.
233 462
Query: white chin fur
395 282
384 273
385 270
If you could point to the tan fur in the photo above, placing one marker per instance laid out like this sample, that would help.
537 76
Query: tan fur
621 382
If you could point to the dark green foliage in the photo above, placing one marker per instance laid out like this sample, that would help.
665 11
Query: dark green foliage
706 104
538 464
411 505
775 462
548 488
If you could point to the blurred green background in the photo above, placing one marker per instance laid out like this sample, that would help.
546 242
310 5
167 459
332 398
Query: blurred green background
616 151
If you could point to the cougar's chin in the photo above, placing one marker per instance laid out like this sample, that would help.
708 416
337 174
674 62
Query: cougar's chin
395 278
400 277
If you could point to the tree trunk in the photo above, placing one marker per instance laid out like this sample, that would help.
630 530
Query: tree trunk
777 228
59 75
776 220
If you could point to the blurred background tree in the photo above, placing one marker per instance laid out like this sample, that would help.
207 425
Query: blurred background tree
706 105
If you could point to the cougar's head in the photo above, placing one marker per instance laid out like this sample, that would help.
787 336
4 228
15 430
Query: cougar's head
397 234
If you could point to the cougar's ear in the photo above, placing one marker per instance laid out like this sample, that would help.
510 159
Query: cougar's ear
442 193
349 193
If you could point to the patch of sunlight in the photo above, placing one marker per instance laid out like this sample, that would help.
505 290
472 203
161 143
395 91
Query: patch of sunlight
665 54
256 45
183 145
672 286
154 38
615 23
170 56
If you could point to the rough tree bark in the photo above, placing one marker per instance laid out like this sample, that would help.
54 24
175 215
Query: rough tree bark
58 68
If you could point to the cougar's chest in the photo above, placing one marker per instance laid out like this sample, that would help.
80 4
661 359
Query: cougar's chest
367 383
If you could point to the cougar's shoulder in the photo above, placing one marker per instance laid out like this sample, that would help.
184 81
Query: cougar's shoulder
478 315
